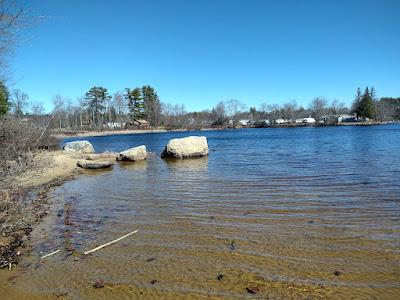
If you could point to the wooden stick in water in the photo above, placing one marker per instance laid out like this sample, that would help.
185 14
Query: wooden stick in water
110 243
50 254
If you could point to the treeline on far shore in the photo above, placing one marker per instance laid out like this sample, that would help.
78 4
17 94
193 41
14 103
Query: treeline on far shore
141 108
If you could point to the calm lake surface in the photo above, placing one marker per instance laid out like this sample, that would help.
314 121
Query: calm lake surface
285 213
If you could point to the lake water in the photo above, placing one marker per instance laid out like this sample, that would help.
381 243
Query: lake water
309 213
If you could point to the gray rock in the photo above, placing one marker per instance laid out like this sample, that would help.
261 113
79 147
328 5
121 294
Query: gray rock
79 146
192 146
133 154
90 164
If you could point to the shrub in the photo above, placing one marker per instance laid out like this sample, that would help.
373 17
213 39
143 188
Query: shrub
18 141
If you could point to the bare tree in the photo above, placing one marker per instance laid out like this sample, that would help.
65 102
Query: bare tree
37 108
13 17
58 107
318 108
220 110
233 107
337 108
288 110
19 102
119 103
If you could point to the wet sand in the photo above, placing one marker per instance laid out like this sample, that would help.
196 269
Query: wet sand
203 250
181 257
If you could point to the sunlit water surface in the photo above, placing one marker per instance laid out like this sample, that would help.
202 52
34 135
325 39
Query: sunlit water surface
284 213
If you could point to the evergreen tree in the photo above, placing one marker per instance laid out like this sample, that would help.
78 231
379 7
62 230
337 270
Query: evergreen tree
356 103
372 93
152 105
4 99
135 103
96 98
366 107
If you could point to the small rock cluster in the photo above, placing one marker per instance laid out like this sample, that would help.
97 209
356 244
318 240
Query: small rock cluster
188 147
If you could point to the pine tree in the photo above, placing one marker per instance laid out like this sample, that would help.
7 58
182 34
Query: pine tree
356 103
4 99
152 105
135 103
372 93
96 98
366 105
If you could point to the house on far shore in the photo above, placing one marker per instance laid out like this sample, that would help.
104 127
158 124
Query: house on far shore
244 123
309 121
305 121
282 121
346 118
137 124
335 119
114 125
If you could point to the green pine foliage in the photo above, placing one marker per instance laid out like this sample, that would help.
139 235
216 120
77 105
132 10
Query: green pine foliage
4 99
152 105
135 103
96 98
364 105
144 103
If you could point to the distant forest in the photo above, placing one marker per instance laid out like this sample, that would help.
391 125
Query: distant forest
97 109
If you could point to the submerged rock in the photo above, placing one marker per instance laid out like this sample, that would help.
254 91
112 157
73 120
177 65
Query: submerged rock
79 146
192 146
89 164
133 154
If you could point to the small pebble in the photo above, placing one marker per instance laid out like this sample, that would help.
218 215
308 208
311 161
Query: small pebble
338 273
98 284
232 246
220 277
153 281
61 294
150 259
252 290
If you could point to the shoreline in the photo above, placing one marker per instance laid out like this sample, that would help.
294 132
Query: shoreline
29 201
98 133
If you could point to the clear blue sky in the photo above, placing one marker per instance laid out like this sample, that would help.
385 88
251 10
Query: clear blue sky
200 52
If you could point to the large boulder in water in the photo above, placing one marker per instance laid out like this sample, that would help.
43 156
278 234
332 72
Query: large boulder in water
192 146
79 146
90 164
133 154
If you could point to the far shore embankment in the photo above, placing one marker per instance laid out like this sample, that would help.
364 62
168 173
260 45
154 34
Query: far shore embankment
89 133
106 132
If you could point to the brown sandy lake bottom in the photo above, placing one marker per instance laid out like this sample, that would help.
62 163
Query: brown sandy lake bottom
308 213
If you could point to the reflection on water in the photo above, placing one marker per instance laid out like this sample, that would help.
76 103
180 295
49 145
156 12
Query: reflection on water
139 165
286 213
191 165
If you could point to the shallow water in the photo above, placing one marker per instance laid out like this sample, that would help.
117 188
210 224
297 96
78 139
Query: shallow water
275 211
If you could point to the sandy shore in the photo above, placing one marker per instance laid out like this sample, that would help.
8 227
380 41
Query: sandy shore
59 165
24 206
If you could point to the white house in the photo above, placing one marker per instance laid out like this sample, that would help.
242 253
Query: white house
281 121
244 122
305 121
113 125
309 120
